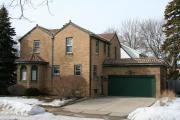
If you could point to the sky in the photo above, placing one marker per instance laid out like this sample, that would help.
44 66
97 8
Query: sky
94 15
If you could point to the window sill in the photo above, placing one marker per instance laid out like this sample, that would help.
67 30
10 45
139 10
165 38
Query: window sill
69 53
34 81
56 74
23 81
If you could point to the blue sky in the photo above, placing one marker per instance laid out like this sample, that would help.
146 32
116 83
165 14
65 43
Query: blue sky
95 15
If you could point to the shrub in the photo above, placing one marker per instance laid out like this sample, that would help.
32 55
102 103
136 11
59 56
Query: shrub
4 91
168 93
70 86
32 92
16 90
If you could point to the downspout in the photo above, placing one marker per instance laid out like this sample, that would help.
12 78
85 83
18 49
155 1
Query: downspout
52 59
90 68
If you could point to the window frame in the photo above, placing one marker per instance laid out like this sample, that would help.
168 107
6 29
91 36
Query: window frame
21 73
55 66
71 45
35 48
97 46
95 72
108 50
115 52
75 69
36 69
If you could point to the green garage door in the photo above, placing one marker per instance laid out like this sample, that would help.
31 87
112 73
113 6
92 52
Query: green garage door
132 85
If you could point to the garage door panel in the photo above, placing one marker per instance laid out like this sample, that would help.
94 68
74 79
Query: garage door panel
131 86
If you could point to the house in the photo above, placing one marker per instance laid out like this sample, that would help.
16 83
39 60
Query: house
127 52
46 55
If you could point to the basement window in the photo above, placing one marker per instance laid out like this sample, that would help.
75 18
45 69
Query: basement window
77 69
56 70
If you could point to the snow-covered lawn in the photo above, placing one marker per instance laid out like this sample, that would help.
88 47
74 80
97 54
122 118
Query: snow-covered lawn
163 109
19 108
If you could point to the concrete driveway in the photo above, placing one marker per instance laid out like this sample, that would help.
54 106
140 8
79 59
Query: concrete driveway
112 106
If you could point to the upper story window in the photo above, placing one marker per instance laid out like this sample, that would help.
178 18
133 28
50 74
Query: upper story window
108 50
105 48
36 46
56 70
94 72
77 69
23 73
115 52
97 46
34 71
69 44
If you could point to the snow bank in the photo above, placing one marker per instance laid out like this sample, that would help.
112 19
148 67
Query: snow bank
18 108
25 106
43 116
55 103
163 109
33 101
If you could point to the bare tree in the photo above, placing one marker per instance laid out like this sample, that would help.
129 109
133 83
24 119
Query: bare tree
23 4
130 34
151 32
145 36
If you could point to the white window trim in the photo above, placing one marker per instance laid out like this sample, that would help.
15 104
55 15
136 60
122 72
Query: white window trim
36 49
69 45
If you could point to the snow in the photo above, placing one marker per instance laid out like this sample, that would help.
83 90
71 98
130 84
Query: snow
163 109
43 116
19 108
33 101
25 106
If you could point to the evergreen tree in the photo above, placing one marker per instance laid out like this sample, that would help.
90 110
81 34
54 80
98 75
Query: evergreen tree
7 52
171 45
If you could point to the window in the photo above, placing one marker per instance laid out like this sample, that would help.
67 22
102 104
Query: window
94 72
23 73
34 73
108 50
77 69
36 46
97 46
56 70
69 44
115 52
105 48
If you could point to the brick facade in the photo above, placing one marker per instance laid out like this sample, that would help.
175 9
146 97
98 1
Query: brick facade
83 53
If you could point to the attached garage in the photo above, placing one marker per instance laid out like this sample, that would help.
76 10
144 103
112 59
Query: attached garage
132 85
139 77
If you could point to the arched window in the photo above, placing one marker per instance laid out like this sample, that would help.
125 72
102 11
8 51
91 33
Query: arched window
34 73
23 72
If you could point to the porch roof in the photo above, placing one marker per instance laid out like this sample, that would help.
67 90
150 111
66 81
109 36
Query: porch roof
31 59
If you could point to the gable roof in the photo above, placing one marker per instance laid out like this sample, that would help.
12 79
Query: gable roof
84 30
108 36
134 61
132 52
56 31
33 58
48 31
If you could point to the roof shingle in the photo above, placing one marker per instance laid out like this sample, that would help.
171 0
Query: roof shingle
33 58
135 61
107 36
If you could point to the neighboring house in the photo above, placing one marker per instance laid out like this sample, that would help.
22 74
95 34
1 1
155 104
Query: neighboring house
127 52
47 54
